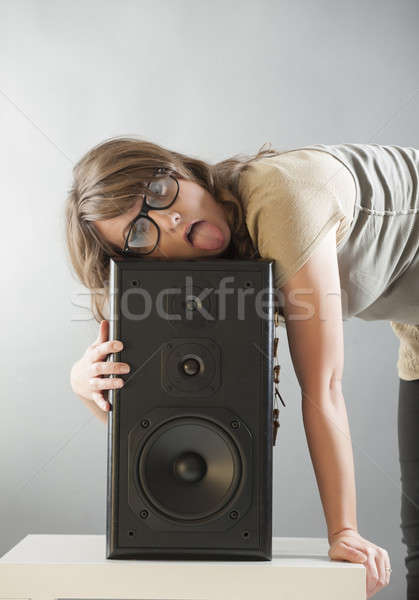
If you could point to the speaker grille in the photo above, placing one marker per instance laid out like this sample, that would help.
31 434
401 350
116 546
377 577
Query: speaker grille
189 468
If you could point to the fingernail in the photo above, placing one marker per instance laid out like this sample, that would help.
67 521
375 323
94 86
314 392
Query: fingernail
126 369
117 346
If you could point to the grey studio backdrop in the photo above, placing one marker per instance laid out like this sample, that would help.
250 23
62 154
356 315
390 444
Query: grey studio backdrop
210 79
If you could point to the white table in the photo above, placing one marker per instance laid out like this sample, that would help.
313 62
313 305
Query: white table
50 567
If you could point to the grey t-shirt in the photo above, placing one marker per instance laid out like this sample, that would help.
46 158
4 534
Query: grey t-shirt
379 258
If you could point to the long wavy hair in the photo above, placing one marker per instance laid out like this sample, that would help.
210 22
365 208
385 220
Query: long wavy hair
108 180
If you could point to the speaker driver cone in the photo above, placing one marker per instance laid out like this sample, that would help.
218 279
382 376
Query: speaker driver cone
189 468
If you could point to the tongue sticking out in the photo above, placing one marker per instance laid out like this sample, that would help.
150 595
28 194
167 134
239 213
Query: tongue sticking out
206 236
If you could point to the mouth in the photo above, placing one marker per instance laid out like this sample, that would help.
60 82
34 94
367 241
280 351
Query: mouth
188 230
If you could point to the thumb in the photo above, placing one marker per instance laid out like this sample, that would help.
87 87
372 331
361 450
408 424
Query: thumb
103 333
343 551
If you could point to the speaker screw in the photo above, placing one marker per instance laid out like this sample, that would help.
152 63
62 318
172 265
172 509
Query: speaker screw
234 514
144 514
145 423
235 424
131 532
245 534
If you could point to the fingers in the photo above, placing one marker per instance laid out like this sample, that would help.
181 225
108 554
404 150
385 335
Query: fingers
99 399
107 368
99 385
97 355
387 565
377 576
103 332
382 562
381 569
105 383
372 573
100 351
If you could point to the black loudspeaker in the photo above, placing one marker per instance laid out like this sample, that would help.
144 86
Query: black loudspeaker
190 432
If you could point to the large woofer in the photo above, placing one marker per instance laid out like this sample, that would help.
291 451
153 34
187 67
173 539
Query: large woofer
189 468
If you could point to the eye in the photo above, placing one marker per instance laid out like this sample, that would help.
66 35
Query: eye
162 187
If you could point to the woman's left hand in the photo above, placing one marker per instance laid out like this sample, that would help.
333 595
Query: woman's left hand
349 545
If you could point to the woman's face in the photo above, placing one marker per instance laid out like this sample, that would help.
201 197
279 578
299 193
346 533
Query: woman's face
193 203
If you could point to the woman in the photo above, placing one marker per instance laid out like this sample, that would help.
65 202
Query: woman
341 224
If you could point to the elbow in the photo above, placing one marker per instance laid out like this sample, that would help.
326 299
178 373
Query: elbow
322 390
335 382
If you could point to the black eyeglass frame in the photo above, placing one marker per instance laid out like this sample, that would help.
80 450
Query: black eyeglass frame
143 213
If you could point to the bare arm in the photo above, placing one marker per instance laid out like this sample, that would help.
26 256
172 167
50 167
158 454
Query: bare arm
315 336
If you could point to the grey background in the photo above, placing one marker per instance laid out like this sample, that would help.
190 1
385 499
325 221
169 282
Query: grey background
209 79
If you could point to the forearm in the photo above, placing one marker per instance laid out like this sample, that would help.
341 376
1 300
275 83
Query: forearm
329 441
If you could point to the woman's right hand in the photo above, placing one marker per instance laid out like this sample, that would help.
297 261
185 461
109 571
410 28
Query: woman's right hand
89 374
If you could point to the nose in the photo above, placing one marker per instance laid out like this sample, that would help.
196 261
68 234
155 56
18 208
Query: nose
167 220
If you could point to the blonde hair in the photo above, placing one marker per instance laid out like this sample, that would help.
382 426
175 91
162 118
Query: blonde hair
108 180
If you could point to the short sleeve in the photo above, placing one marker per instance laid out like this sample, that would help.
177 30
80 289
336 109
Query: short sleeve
287 216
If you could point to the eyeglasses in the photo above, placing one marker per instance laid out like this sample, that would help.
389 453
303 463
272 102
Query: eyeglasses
144 233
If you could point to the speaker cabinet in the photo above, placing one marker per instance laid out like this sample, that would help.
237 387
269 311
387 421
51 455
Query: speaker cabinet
190 432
